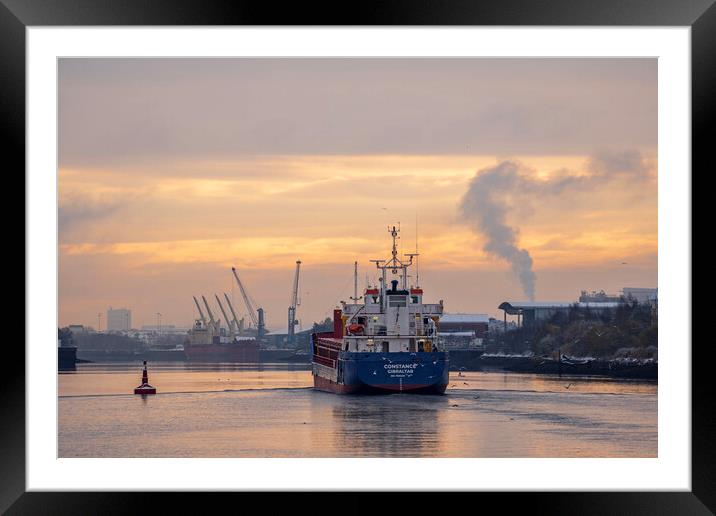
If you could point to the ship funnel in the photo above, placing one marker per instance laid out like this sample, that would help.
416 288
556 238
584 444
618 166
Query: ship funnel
395 285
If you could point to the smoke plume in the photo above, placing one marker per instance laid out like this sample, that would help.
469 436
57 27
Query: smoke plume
494 191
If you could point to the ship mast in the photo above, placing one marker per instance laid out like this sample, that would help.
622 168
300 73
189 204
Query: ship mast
417 264
355 297
394 263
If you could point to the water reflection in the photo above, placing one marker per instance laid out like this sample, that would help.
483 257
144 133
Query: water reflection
399 425
211 411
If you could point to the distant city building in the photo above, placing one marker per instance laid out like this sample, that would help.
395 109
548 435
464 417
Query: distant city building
165 328
119 319
79 328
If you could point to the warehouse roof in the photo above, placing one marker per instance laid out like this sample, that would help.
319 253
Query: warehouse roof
513 307
464 318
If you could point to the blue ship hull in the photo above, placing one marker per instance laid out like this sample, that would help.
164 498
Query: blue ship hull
356 372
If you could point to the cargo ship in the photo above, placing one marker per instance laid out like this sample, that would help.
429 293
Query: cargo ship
66 350
207 341
66 357
241 350
388 343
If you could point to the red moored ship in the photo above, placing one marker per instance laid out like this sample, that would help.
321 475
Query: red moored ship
208 341
240 350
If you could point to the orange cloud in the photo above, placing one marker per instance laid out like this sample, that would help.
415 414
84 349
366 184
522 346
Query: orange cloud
332 210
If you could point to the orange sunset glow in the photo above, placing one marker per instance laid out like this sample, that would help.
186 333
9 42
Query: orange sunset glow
172 171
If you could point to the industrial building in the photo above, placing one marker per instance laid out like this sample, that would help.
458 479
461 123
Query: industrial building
168 329
474 323
642 295
119 319
281 339
529 313
495 326
599 297
639 294
463 330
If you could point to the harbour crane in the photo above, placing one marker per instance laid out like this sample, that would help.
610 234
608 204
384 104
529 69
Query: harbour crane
239 323
257 316
201 314
229 322
292 322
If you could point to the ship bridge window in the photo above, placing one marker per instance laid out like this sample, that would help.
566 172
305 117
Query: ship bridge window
395 301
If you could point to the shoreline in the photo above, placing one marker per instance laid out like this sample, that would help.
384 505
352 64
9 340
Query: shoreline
641 370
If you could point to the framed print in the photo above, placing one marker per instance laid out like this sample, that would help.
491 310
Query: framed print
428 251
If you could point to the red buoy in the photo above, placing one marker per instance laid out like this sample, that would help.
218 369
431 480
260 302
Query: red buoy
145 388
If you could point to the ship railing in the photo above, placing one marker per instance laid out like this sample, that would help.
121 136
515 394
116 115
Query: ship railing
432 337
329 362
329 343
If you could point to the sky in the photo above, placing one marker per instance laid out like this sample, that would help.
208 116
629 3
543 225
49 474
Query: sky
520 178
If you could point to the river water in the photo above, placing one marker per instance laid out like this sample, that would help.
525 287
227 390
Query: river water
228 410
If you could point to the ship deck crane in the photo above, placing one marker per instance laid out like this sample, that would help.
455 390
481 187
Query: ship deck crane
229 322
292 322
201 314
255 314
239 323
214 323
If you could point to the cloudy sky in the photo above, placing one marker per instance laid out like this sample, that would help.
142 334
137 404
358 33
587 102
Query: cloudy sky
173 170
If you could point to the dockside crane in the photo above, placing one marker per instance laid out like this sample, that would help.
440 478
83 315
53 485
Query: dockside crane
256 315
229 322
292 322
239 323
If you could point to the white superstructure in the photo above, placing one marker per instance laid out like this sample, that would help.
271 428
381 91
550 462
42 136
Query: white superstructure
392 317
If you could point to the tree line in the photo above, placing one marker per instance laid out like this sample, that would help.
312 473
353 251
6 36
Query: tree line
629 331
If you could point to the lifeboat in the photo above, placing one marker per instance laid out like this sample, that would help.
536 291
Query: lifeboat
355 329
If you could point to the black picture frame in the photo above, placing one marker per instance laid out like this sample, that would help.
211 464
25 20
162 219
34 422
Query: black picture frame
16 15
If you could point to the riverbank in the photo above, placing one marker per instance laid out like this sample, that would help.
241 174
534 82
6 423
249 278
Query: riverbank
615 368
460 360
